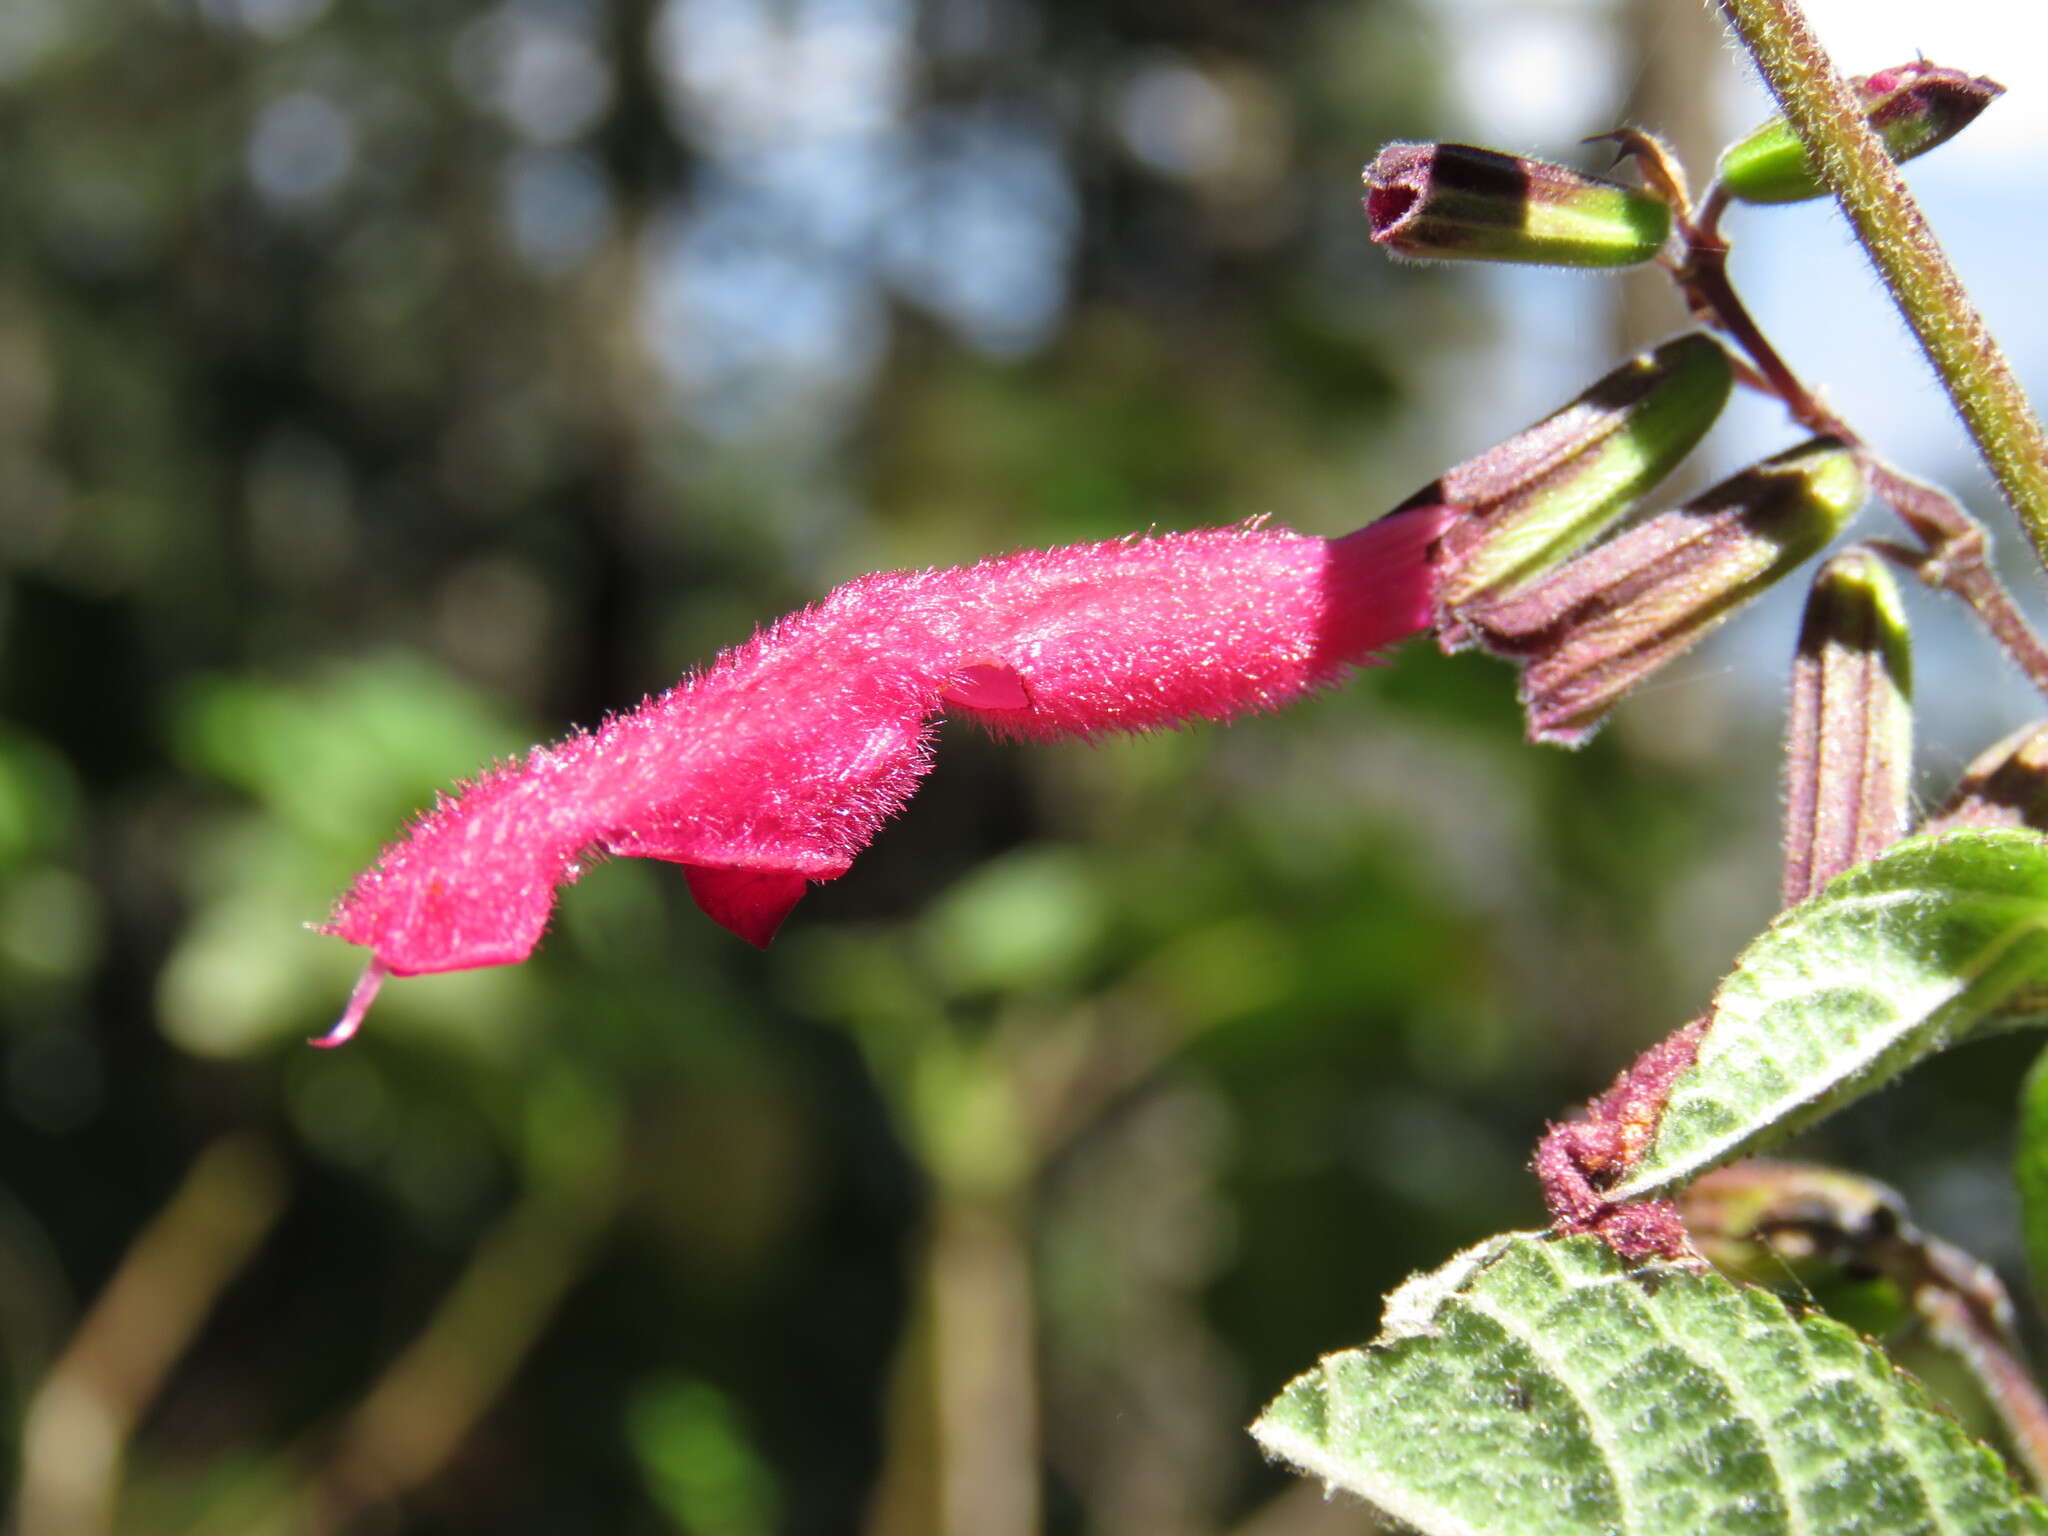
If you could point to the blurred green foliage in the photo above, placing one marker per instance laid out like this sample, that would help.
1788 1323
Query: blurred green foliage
384 386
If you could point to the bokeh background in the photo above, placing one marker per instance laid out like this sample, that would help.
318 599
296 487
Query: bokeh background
388 384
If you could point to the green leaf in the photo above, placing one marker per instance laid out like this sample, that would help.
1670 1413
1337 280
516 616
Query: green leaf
1937 940
2030 1172
1538 1386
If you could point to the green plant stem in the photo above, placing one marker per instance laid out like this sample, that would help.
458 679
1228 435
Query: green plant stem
1893 231
1713 296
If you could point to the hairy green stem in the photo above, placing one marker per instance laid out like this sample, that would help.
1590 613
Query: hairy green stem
1893 231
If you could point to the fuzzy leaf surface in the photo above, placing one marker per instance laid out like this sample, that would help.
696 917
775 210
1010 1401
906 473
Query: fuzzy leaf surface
1540 1388
1935 941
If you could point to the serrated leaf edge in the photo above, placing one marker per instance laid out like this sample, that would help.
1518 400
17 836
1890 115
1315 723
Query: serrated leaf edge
1406 1300
1891 1405
1300 1452
1746 1410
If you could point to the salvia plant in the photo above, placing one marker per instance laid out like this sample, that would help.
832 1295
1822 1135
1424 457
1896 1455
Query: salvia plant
1639 1367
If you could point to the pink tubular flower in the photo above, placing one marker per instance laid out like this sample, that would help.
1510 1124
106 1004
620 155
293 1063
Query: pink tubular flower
775 766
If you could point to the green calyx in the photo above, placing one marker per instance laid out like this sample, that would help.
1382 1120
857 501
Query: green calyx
1596 626
1549 491
1462 203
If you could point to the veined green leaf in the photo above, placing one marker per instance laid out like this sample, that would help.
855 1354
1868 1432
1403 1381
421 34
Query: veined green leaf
1937 940
1539 1388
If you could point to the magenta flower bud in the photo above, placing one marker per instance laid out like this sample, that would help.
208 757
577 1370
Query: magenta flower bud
1469 204
1912 109
1595 627
1849 738
1546 493
2006 786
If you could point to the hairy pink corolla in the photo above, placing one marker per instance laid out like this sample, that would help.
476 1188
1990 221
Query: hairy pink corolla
774 766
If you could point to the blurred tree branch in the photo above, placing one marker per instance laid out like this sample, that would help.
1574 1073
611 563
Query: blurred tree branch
79 1424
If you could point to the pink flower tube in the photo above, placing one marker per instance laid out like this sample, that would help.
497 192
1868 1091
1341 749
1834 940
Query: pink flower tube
774 766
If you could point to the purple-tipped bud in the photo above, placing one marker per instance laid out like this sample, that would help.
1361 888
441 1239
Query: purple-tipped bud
1546 493
1469 204
2005 787
1594 628
1849 738
1912 108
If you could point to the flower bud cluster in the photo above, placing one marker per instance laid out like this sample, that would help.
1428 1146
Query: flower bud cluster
1521 567
1461 202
